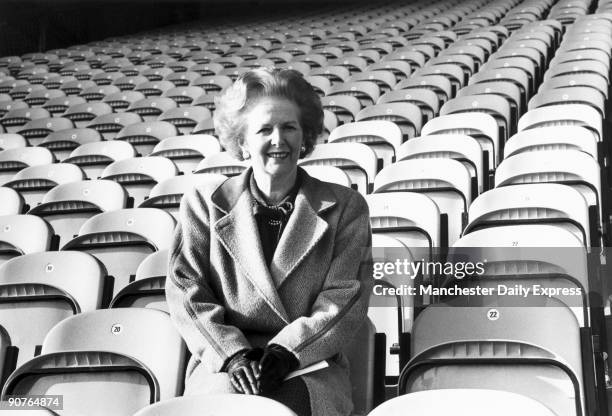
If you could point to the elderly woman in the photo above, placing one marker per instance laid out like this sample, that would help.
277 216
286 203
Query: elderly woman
269 272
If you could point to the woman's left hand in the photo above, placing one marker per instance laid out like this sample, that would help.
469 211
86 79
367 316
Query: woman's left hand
275 364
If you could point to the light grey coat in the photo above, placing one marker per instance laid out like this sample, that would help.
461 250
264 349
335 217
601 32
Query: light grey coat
312 299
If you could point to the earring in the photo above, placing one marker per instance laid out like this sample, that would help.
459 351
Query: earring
302 151
245 154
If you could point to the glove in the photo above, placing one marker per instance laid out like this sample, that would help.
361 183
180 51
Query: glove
274 366
243 370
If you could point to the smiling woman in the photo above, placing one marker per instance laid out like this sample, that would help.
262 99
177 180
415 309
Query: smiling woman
270 271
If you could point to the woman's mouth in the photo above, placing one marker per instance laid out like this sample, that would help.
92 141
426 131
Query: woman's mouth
277 155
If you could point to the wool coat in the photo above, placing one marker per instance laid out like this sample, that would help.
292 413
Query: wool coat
311 299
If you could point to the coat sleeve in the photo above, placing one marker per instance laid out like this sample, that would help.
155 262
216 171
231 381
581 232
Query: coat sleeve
194 308
340 308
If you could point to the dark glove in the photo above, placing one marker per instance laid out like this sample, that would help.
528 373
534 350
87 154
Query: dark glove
243 370
275 364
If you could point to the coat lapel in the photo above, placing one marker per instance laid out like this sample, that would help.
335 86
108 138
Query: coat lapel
304 228
238 233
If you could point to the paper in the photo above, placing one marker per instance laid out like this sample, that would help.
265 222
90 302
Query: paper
313 367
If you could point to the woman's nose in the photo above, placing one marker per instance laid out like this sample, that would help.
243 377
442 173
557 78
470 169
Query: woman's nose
276 137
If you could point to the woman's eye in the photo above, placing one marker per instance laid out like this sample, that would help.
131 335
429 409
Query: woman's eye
265 130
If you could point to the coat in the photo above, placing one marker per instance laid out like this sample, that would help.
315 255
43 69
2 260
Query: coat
312 299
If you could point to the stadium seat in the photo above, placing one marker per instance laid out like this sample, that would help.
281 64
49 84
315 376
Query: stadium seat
505 354
57 106
110 124
121 239
34 181
12 202
344 107
460 147
13 160
462 402
67 206
63 142
138 175
553 138
384 137
570 167
424 98
145 136
95 156
187 151
446 181
151 108
44 288
15 119
23 234
11 141
358 160
417 229
209 405
82 114
106 355
563 115
222 163
148 288
185 118
329 174
480 126
120 101
167 194
35 131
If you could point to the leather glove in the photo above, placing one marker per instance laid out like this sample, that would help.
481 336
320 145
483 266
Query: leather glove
275 364
243 370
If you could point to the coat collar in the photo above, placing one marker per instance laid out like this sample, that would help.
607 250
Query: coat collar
237 230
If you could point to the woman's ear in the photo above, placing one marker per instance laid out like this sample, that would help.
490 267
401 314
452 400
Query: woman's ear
245 153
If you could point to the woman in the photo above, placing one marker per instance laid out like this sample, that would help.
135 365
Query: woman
270 271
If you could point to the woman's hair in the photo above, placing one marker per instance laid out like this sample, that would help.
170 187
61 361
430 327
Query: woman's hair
257 83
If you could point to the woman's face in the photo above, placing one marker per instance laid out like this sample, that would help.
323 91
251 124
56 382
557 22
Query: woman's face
273 137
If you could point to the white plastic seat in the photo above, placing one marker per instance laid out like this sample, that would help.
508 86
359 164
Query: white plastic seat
13 160
480 126
67 206
329 174
384 137
222 163
462 402
62 143
506 353
121 239
44 288
167 194
563 115
570 167
446 181
110 124
124 359
93 157
552 138
528 254
418 229
356 159
23 234
12 202
460 147
138 175
407 116
187 151
144 136
538 203
35 181
12 141
148 288
216 404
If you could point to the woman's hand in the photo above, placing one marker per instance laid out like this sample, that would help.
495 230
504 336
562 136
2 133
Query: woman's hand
243 371
275 364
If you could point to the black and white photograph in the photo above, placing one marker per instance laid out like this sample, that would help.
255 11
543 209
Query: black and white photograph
305 208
